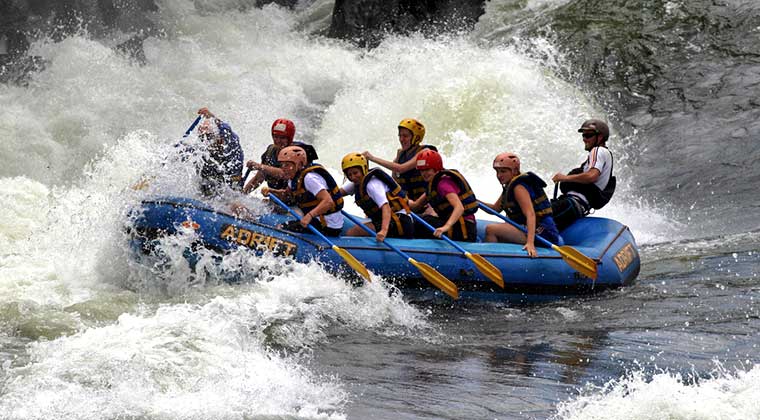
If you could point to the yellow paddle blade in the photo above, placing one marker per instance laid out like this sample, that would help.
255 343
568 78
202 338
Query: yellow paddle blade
353 262
436 278
577 261
486 268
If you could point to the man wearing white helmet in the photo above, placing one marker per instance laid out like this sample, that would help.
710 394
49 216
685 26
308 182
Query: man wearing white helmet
589 186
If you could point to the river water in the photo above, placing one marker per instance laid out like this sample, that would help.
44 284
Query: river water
85 333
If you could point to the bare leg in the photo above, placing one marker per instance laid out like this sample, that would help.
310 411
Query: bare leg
358 231
504 232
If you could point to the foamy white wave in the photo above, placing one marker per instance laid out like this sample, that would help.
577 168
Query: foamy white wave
725 395
184 361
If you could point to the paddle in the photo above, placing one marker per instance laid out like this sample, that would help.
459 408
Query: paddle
144 181
570 255
485 267
431 274
350 260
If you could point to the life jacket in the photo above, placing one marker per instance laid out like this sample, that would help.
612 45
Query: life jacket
307 201
535 186
411 181
441 205
597 198
395 195
269 158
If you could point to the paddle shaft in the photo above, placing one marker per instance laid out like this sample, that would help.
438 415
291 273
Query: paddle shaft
192 126
444 237
372 233
429 273
506 219
293 212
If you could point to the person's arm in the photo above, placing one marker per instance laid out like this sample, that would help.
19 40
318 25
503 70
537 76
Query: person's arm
254 183
206 113
325 203
526 205
588 177
495 206
266 169
458 211
419 202
398 168
385 223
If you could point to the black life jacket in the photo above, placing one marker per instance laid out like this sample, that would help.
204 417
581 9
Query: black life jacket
597 198
307 201
395 195
441 205
411 181
535 186
269 158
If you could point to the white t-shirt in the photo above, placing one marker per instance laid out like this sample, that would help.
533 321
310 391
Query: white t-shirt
601 159
376 190
314 183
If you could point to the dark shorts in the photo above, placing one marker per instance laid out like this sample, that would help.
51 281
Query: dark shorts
295 226
466 233
566 210
407 226
549 233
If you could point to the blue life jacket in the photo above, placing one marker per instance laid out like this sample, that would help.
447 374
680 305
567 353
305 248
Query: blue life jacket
541 204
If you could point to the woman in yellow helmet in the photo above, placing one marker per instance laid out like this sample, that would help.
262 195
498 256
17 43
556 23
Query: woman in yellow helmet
404 166
381 198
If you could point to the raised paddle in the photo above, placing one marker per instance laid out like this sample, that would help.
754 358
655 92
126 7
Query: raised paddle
431 274
485 267
143 182
350 260
570 255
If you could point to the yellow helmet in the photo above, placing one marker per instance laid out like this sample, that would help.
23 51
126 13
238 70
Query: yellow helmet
355 159
416 127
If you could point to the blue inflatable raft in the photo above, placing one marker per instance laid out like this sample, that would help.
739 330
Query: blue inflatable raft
546 277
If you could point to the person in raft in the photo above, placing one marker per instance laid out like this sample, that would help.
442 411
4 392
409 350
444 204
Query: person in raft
283 131
381 198
313 190
591 185
223 166
525 202
450 195
404 166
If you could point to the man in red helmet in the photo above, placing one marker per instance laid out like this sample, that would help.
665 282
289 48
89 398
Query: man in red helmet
450 195
269 170
589 186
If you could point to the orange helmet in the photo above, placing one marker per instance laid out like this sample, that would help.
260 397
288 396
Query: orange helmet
429 159
416 127
507 160
284 127
293 154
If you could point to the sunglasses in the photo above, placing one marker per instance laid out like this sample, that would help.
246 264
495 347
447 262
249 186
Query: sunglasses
588 135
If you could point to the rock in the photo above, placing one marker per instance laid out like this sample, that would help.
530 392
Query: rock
366 21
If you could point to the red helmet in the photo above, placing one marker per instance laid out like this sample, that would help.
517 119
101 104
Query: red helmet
284 127
429 159
507 160
292 154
